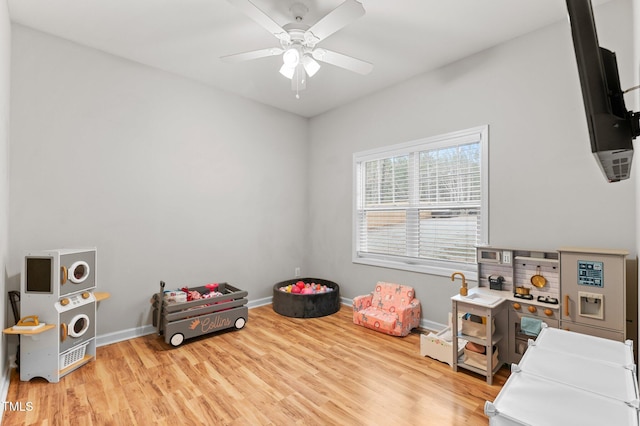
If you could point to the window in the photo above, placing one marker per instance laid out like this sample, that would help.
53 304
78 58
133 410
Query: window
422 206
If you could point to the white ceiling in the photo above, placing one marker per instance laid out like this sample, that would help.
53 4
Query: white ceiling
402 38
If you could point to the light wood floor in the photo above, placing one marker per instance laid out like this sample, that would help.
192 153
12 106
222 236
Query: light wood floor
275 371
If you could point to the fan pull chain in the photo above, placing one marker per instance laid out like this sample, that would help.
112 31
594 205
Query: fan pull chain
297 76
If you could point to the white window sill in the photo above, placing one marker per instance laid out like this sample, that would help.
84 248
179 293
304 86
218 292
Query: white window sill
440 270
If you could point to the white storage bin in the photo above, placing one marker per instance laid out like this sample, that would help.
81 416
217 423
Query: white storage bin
73 355
439 347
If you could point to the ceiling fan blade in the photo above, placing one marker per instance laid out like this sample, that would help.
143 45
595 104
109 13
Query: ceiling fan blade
253 12
255 54
342 61
338 18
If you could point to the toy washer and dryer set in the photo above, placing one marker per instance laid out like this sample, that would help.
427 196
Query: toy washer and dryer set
58 301
57 293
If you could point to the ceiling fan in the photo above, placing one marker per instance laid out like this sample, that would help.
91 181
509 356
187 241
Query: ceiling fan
298 41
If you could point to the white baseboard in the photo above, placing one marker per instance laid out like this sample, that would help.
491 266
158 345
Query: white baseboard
260 302
432 325
119 336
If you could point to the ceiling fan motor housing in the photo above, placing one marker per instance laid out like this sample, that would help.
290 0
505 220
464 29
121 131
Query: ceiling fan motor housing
298 10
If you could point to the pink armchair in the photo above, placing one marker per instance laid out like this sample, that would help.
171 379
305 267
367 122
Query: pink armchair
390 308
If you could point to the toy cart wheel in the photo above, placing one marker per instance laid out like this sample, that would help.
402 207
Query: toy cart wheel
177 339
240 322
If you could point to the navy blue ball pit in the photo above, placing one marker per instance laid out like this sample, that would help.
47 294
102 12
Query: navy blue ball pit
306 305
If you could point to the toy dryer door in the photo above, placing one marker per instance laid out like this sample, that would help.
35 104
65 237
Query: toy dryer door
77 271
77 325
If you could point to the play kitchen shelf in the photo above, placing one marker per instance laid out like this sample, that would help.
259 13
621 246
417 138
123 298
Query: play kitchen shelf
489 334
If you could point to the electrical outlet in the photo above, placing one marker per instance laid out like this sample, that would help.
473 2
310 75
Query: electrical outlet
506 257
297 272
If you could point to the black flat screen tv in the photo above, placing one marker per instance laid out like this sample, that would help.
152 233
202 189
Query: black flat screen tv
611 127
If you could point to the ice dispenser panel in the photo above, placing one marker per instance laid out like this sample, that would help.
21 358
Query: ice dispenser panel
591 305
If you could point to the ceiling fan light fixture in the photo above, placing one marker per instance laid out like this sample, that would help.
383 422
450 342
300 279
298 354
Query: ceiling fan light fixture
287 71
311 66
291 57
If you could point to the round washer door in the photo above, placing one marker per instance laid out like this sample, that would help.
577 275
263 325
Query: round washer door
79 272
78 325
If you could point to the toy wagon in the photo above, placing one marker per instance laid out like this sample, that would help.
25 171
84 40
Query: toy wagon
183 320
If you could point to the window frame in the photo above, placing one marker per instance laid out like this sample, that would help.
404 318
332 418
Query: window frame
428 266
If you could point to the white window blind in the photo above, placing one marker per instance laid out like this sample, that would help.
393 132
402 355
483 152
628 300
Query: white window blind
422 205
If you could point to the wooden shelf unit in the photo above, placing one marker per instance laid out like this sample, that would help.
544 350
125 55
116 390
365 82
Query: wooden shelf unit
493 314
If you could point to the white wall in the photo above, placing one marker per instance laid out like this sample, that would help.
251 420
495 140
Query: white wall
170 179
546 190
5 56
159 158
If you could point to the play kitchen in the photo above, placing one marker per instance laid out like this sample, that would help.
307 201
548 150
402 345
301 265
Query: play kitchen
581 290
